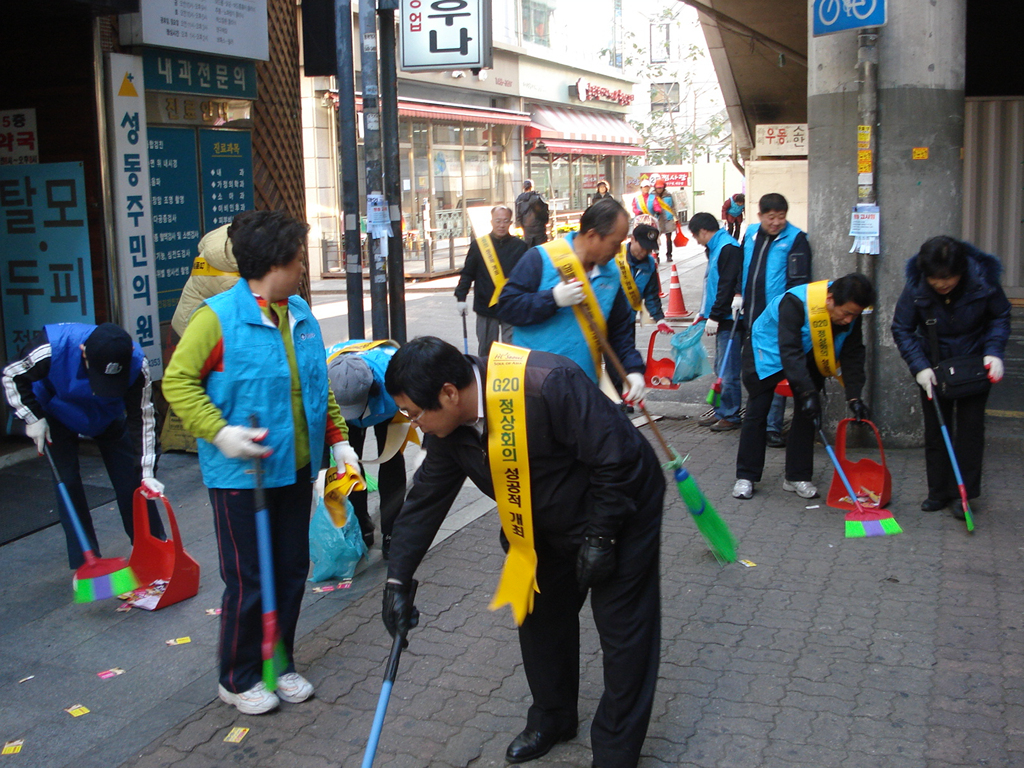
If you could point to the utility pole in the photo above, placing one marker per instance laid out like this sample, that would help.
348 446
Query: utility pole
867 107
348 158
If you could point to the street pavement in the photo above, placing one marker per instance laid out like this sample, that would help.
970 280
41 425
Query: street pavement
901 651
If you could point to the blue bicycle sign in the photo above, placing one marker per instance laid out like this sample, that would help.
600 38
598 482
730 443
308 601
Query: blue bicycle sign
839 15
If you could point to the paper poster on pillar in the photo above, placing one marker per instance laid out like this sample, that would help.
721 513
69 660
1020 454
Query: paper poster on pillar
133 217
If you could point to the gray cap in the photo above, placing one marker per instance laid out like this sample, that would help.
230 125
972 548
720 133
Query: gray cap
351 379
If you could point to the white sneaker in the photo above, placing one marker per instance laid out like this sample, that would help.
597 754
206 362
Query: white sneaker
294 688
743 489
256 701
803 488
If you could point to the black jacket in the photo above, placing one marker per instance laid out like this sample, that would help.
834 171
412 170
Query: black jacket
976 321
800 368
532 213
591 471
730 264
474 270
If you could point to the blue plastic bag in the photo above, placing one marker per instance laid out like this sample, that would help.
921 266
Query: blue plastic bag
334 551
689 354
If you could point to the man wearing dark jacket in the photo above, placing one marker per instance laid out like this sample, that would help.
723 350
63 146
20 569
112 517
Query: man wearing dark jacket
477 270
800 337
596 493
532 215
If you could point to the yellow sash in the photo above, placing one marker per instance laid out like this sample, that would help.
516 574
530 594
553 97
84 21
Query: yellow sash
629 285
490 256
202 267
565 261
821 330
642 203
510 472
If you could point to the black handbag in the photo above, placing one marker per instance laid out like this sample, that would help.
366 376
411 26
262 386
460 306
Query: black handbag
957 377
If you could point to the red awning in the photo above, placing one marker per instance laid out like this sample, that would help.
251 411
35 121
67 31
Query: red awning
564 124
588 148
452 113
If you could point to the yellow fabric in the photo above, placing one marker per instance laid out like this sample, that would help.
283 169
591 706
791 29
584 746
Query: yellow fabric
202 267
508 456
641 201
337 487
822 344
490 257
362 346
570 268
629 285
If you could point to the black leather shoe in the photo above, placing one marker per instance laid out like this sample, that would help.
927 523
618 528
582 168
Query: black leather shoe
529 745
933 505
775 440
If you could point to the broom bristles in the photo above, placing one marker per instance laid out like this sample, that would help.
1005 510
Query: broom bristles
710 524
90 589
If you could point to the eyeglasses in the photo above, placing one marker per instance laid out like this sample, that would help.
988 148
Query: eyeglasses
501 221
412 419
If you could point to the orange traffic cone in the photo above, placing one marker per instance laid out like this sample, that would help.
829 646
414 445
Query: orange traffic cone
676 304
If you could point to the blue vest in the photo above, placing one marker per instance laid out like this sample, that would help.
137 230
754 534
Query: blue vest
256 380
765 334
561 333
381 405
718 241
65 393
777 258
735 209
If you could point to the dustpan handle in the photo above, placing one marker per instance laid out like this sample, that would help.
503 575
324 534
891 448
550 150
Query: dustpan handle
650 347
179 549
841 438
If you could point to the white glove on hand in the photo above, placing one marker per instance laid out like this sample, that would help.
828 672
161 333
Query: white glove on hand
152 488
461 308
568 294
995 368
635 389
40 432
737 303
345 454
241 442
664 327
927 381
711 328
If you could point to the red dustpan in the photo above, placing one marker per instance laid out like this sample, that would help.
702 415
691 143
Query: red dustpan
658 373
870 480
153 559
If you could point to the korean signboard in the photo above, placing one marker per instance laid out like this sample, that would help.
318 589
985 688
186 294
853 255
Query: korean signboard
19 143
224 27
186 72
781 140
45 272
225 161
132 208
446 34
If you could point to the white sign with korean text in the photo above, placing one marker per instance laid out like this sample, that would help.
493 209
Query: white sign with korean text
226 27
133 216
446 34
19 143
783 140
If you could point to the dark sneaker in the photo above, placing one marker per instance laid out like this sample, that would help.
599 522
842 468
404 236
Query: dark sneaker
707 421
934 505
775 440
724 426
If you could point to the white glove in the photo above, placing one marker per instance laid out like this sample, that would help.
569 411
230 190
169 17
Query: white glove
927 381
461 308
664 327
152 488
711 327
635 389
345 454
737 303
995 368
568 294
40 432
241 442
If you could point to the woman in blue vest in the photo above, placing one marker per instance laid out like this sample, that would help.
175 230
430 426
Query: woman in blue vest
781 348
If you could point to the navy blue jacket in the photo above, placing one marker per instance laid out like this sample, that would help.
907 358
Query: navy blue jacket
976 321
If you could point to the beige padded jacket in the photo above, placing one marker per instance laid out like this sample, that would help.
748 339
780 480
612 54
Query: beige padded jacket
213 271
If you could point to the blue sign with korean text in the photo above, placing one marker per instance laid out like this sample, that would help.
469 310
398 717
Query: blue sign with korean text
186 72
45 266
174 195
225 162
840 15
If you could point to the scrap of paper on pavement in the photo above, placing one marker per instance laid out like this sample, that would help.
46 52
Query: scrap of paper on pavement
235 735
77 711
179 641
12 747
109 673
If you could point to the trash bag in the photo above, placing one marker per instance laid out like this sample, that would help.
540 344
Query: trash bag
334 551
688 351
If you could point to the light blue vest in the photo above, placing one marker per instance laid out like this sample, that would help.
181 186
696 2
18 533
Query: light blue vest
561 333
381 405
256 380
718 241
765 334
65 392
777 258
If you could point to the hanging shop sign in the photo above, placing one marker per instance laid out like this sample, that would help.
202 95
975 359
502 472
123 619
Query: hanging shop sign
203 75
446 34
225 162
237 28
584 90
782 140
19 143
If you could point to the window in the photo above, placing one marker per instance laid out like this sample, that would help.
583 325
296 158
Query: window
660 43
664 97
537 22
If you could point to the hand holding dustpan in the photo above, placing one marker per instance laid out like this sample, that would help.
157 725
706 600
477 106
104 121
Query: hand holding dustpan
154 559
860 522
869 478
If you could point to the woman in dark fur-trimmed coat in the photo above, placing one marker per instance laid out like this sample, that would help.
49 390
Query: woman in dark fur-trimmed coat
958 285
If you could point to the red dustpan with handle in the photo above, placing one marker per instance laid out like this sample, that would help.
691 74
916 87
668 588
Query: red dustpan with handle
153 559
870 480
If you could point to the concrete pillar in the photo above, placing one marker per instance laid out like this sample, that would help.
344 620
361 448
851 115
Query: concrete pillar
920 104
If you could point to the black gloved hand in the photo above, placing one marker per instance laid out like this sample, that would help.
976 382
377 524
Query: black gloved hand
595 562
399 614
860 410
810 407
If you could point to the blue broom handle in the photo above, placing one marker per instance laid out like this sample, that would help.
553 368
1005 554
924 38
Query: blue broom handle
839 469
62 489
378 724
949 443
728 344
266 555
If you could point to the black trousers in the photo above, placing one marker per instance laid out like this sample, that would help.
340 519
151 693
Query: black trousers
754 431
627 611
241 619
125 474
965 420
390 481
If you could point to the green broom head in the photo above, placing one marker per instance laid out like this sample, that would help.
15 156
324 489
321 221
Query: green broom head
711 526
100 579
713 398
871 522
371 483
275 660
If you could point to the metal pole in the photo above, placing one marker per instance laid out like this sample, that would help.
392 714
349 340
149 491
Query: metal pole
867 106
374 167
392 167
348 159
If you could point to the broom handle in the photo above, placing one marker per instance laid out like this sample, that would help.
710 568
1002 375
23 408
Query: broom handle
83 542
840 472
620 370
732 333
